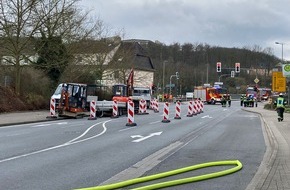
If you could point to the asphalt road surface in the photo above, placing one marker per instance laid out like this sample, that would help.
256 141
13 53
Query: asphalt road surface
77 153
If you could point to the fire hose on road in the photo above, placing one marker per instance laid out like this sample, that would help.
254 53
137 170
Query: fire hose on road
175 172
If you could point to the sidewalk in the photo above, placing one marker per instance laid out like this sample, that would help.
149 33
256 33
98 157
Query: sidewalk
274 171
23 117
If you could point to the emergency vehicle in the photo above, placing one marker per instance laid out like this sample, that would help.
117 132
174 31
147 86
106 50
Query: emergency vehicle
210 94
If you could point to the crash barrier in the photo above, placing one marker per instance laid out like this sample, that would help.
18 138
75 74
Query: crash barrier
190 109
237 163
52 109
92 110
166 113
177 110
142 107
130 114
115 109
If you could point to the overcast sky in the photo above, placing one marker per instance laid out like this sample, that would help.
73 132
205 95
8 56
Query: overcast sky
224 23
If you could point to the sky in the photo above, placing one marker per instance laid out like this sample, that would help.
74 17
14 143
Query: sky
224 23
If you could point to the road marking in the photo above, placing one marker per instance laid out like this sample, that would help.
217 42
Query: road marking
206 116
142 138
74 141
41 125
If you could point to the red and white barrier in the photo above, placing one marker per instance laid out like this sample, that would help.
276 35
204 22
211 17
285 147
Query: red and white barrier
198 106
115 109
166 113
177 110
190 109
142 107
201 105
194 109
52 109
156 106
131 114
92 110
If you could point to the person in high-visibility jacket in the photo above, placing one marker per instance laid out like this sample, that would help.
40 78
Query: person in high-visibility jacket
242 99
280 103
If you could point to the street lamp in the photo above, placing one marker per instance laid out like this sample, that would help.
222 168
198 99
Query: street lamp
282 44
177 77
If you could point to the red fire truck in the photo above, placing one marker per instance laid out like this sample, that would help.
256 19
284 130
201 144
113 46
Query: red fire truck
210 94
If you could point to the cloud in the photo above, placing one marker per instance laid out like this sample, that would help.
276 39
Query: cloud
229 23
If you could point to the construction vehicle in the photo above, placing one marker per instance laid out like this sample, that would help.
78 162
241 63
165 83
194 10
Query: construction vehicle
209 94
73 100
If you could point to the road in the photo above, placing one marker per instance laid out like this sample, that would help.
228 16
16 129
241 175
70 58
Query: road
76 153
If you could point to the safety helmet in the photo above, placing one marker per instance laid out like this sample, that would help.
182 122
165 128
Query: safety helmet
281 94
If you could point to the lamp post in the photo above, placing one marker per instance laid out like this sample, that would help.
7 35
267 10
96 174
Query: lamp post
282 44
177 77
163 78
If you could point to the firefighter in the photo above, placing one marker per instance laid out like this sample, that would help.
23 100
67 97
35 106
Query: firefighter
229 100
242 99
280 103
224 101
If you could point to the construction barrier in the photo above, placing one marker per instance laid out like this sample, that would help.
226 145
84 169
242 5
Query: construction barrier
201 106
131 114
197 106
115 109
190 109
52 109
166 113
156 106
142 107
92 110
177 110
194 109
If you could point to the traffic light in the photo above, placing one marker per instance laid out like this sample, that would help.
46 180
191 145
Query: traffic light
232 74
177 75
237 67
218 67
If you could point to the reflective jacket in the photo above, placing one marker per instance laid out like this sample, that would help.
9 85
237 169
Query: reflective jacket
280 102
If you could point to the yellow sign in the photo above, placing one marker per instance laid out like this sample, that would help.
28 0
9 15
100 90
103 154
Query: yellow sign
278 82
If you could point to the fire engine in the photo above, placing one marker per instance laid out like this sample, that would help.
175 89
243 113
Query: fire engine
210 94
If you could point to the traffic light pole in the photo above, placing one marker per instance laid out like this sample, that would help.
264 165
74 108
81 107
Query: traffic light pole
223 76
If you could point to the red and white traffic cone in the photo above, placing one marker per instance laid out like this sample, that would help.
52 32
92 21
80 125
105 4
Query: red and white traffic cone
190 109
177 110
52 109
115 109
156 106
166 113
92 110
130 114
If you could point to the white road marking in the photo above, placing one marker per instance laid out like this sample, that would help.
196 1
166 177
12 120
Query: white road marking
74 141
142 138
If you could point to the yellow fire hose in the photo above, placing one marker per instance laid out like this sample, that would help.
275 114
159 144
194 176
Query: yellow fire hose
174 172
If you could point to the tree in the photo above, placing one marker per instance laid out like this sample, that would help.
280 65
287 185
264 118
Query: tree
18 26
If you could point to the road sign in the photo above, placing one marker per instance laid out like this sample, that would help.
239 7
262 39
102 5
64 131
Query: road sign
286 70
278 82
256 80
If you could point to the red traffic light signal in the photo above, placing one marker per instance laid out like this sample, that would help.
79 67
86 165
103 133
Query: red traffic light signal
237 67
218 67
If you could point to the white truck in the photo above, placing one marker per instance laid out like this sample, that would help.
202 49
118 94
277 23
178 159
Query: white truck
144 93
